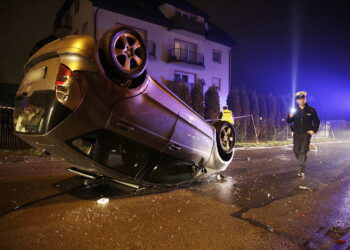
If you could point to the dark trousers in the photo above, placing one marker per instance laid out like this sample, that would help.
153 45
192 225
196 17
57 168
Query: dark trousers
301 143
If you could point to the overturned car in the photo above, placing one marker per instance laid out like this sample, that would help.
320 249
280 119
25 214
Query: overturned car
93 105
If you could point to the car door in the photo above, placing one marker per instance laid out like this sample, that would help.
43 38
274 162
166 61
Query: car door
192 138
148 118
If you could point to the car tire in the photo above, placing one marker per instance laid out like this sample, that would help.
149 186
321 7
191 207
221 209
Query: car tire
225 138
123 55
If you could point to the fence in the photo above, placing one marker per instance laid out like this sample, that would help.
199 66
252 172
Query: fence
8 140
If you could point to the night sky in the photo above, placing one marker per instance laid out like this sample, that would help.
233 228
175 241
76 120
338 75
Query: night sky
263 59
265 30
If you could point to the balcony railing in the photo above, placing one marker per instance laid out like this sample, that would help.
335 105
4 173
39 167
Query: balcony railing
151 48
187 23
187 56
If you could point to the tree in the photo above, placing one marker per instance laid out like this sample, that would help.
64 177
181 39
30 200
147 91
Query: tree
271 116
184 94
283 111
233 102
198 98
234 105
254 107
263 117
212 103
181 90
278 117
245 110
174 87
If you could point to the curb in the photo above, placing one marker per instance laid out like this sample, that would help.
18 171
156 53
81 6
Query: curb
285 146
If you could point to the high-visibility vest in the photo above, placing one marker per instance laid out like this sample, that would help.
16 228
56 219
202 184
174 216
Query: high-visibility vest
227 116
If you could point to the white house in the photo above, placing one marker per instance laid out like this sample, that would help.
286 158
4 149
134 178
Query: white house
182 44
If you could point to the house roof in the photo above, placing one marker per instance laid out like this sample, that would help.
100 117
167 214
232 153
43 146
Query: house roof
183 4
148 10
216 34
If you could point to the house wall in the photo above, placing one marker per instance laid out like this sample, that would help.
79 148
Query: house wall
164 40
85 14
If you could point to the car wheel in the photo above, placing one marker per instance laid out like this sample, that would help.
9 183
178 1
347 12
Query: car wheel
123 54
225 136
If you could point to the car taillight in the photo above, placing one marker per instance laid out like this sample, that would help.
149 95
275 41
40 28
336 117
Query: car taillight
63 75
67 89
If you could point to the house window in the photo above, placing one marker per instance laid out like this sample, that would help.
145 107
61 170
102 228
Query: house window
185 77
185 51
217 56
85 28
188 16
76 6
216 82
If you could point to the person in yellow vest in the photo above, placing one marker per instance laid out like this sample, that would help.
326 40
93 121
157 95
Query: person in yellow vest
226 115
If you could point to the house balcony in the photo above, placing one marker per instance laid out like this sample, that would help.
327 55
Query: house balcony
185 56
187 23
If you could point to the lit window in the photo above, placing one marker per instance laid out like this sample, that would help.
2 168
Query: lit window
216 82
185 51
217 56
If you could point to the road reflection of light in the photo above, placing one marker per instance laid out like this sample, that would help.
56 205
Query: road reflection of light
225 188
344 206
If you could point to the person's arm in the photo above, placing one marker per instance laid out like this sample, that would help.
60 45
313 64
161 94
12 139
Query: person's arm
315 121
290 118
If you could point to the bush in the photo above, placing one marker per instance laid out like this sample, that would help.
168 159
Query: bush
184 94
212 103
181 90
198 98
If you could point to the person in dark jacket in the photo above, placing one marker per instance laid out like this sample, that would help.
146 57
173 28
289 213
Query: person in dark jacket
305 123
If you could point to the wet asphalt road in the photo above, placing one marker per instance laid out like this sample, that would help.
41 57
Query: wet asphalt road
259 204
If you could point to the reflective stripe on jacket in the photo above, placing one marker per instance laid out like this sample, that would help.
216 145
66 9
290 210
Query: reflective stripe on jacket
227 116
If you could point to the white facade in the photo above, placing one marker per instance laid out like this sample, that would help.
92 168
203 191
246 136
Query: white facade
213 72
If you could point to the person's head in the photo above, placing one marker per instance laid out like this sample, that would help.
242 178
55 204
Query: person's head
225 107
300 98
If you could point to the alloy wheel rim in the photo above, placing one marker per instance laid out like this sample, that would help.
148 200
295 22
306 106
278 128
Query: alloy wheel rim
128 52
227 138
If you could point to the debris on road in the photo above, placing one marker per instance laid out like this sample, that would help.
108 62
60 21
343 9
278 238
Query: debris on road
341 242
103 201
305 188
337 232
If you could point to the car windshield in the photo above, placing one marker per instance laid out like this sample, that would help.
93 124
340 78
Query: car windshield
114 151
